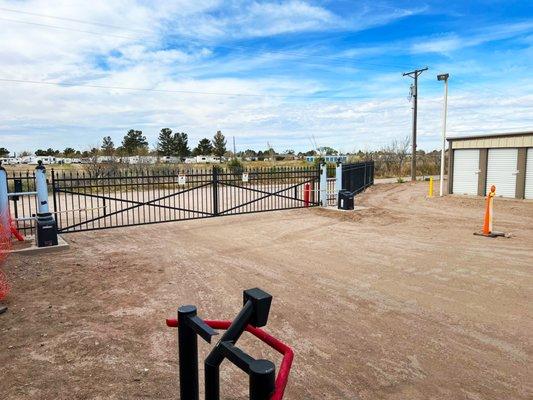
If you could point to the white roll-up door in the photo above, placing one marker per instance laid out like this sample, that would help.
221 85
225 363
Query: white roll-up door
529 174
501 171
465 171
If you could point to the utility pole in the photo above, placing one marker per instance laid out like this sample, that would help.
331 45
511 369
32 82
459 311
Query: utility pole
234 148
414 94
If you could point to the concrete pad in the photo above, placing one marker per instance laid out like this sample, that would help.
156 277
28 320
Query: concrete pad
34 250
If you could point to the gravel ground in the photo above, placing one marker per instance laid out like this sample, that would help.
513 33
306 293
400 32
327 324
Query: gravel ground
396 301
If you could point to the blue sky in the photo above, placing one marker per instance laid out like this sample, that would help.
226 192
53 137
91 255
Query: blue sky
262 71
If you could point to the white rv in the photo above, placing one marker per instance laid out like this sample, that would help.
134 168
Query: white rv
202 160
34 160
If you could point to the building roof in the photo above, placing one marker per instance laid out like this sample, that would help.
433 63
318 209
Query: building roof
489 135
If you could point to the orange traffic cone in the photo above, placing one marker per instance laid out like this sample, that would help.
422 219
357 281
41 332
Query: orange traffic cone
487 223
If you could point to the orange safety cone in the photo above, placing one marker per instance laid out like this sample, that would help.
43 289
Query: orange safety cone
487 222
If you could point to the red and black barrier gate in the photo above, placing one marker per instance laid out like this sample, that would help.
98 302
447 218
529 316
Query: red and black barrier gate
262 373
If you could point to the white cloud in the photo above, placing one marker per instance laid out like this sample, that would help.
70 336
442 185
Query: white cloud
34 116
447 43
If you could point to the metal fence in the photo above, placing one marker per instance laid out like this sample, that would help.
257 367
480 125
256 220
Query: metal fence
22 208
88 200
136 197
356 177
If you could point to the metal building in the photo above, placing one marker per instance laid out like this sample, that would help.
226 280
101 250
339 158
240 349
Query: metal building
501 159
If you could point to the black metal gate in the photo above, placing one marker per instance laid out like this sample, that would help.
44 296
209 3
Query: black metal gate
356 177
84 201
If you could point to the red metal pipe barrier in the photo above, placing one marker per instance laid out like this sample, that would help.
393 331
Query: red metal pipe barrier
276 344
15 232
307 192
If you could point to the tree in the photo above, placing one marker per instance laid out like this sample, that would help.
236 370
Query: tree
166 145
4 152
328 151
134 142
108 147
181 141
401 149
219 144
204 148
69 152
290 151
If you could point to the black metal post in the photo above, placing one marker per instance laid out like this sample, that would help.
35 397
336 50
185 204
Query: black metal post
188 353
215 191
215 358
54 194
262 379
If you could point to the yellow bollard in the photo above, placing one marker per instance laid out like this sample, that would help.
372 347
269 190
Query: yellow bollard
430 194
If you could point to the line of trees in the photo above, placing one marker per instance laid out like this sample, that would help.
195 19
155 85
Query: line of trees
169 143
177 144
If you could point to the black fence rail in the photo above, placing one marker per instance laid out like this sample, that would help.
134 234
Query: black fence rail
22 208
83 201
356 177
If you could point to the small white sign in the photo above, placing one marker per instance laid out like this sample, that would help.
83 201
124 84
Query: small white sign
182 179
245 177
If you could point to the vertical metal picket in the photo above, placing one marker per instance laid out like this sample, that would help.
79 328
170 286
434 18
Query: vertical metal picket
215 191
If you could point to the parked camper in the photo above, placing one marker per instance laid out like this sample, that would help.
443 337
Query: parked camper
34 160
169 159
202 160
11 160
105 159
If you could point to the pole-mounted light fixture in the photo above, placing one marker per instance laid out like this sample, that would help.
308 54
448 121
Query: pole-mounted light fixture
443 77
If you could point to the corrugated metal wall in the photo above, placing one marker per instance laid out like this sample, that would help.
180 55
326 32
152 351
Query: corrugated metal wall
525 140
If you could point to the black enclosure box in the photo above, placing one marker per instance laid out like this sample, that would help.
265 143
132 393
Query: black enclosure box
46 230
346 200
261 301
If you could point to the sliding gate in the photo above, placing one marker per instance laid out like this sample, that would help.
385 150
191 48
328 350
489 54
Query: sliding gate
84 201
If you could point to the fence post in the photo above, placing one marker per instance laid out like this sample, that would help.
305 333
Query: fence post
215 190
324 185
54 197
188 352
262 379
4 200
338 178
41 188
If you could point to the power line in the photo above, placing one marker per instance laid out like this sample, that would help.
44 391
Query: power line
73 29
241 48
182 91
80 21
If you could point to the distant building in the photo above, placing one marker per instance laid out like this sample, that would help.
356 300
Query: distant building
504 160
329 159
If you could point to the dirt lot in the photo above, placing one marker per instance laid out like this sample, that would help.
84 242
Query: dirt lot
398 301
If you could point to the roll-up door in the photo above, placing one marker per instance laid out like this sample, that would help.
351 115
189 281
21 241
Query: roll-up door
465 171
529 174
501 171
